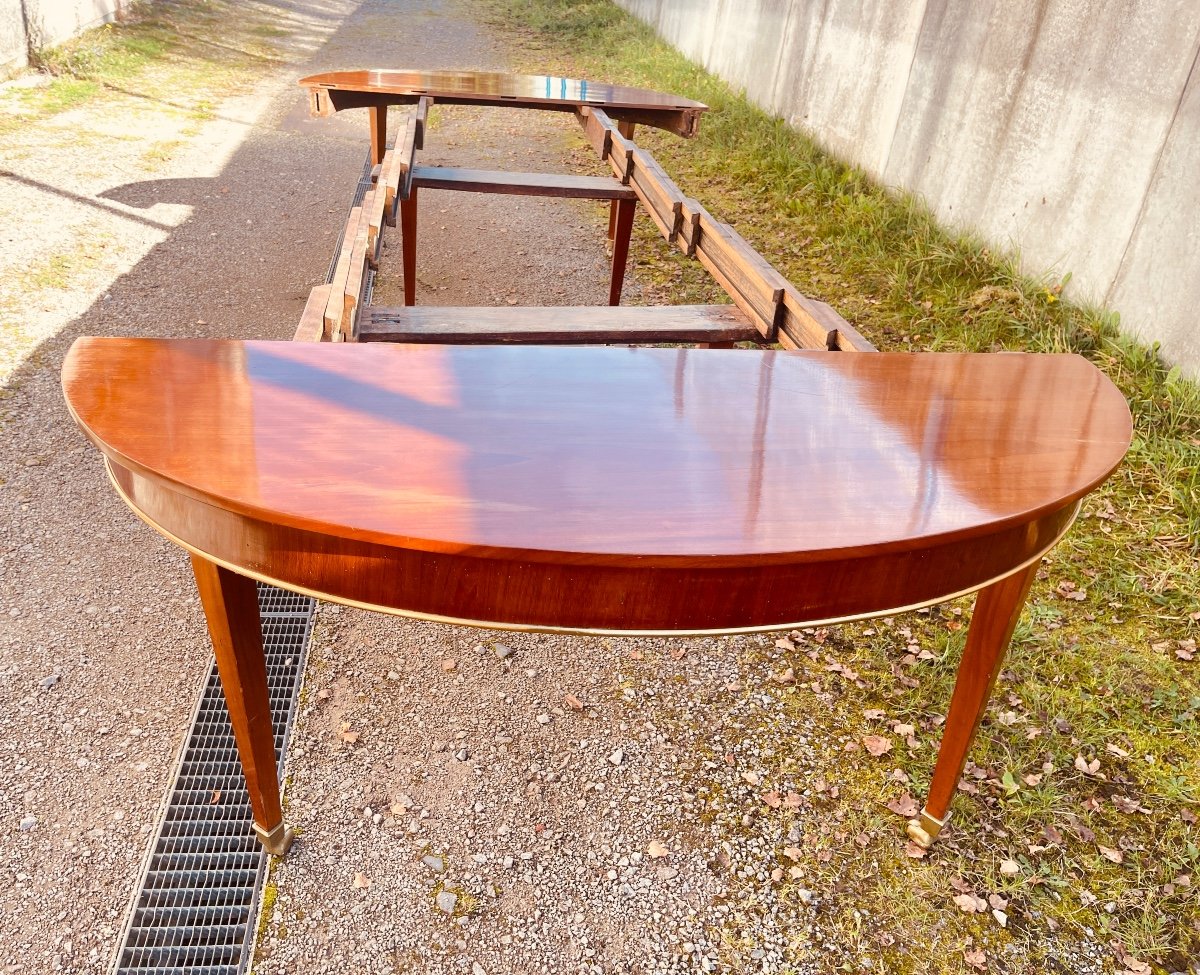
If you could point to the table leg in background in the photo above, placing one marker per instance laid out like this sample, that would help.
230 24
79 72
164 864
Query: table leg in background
378 133
620 254
997 609
626 129
408 245
231 607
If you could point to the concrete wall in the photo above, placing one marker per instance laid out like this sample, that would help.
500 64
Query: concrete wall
45 23
1068 130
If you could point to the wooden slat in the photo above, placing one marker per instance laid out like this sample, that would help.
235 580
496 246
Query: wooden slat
658 193
312 319
598 129
576 325
400 178
755 286
374 204
335 310
520 184
810 324
356 280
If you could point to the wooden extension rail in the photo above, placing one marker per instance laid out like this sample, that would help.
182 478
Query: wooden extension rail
770 308
781 312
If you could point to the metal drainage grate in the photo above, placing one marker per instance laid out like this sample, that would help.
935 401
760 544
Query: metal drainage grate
194 913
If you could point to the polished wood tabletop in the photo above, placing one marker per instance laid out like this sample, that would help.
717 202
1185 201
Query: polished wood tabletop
337 90
650 486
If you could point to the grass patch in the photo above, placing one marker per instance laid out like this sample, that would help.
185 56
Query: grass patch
191 48
1102 677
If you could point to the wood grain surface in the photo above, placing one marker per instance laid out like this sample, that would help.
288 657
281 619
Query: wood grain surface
556 324
621 489
335 91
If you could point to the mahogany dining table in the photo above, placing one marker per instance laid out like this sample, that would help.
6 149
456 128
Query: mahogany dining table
599 490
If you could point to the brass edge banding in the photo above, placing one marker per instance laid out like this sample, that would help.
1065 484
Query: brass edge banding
579 630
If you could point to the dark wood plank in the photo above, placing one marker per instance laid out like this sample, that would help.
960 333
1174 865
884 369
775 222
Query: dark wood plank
520 184
570 325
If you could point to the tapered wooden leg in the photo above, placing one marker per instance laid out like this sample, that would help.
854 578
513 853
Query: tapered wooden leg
997 609
231 606
626 129
625 210
408 244
378 133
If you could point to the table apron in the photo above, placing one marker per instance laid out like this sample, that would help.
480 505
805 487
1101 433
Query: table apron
562 596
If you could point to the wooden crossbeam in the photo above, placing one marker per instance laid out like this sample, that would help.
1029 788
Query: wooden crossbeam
520 184
586 325
349 279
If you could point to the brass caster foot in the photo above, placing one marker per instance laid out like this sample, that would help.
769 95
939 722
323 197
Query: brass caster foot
924 831
276 841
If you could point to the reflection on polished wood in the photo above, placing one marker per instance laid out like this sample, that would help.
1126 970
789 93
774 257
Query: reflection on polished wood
612 490
335 91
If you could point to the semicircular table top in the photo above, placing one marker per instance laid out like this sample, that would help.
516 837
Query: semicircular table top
353 89
611 489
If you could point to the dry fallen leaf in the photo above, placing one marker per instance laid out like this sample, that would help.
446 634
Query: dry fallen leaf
970 904
360 880
216 797
793 800
751 778
656 850
976 958
773 799
911 849
346 734
571 701
877 745
1009 868
1186 649
904 805
785 677
1089 768
1116 856
793 853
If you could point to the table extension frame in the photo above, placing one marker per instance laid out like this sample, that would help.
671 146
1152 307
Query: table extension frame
591 490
